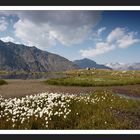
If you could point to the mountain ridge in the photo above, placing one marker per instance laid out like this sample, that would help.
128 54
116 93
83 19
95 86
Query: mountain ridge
20 57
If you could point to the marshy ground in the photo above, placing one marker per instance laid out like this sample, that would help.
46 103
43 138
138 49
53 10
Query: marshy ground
20 88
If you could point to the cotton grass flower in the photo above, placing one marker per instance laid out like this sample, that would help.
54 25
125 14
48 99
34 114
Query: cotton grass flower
43 107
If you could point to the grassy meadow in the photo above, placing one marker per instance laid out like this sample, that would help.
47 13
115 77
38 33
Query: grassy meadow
97 78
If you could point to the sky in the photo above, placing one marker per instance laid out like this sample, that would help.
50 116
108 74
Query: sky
103 36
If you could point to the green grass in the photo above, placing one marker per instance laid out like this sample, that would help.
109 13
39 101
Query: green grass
3 82
106 111
111 113
97 78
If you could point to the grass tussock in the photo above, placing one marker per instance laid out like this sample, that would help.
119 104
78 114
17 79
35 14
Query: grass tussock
3 82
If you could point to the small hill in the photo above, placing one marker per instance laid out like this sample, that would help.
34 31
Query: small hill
84 63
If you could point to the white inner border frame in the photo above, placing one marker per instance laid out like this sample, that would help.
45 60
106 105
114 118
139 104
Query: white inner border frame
123 8
103 8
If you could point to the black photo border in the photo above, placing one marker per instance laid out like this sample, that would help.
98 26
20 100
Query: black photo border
69 3
69 137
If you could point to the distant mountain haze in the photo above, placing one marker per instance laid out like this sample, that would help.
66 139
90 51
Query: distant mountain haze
123 66
20 57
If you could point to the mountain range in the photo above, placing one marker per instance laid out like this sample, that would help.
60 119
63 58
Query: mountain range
18 57
14 57
123 66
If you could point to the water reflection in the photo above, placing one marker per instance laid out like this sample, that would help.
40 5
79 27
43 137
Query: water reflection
31 76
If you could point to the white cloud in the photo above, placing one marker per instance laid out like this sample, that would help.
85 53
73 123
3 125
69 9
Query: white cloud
100 30
3 24
44 28
97 35
127 40
117 38
101 48
116 34
7 39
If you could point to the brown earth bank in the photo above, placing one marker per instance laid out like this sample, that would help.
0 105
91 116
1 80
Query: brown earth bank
19 88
